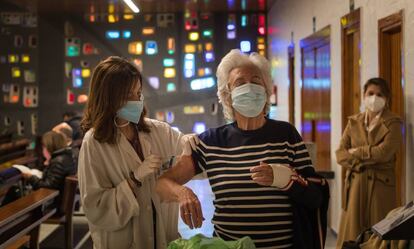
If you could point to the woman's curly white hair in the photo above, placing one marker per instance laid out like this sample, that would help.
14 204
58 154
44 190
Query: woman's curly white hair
235 59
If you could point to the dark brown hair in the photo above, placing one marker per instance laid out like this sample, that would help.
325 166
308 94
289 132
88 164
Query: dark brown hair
383 85
53 141
111 82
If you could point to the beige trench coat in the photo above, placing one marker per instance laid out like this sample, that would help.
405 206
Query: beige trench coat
369 186
118 220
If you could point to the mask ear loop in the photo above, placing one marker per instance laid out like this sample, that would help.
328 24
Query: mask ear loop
120 126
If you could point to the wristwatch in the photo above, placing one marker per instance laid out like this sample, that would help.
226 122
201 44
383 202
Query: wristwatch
137 182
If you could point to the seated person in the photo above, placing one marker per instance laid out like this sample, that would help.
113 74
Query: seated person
64 129
61 163
73 119
67 131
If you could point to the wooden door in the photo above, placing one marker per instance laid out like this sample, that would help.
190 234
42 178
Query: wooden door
391 64
291 73
316 95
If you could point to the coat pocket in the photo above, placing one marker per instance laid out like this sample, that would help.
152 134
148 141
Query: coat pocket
387 178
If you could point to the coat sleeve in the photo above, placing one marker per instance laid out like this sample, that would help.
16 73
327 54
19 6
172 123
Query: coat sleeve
171 139
384 151
53 178
343 157
307 193
106 206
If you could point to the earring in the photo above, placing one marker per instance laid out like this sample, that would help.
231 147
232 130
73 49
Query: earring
120 126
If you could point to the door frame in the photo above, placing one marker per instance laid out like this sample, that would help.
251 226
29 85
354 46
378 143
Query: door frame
291 76
349 23
387 24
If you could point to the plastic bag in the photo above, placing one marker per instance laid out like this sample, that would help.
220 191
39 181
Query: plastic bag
199 241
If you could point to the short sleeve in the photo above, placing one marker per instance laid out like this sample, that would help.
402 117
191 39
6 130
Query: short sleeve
199 159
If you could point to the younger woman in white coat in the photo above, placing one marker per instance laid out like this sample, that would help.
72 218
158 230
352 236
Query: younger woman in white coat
121 154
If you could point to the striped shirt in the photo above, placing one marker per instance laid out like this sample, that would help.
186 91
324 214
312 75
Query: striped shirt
242 207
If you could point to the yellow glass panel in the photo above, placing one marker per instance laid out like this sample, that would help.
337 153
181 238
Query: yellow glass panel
201 72
160 116
189 48
13 58
148 31
111 8
128 17
112 18
261 46
135 48
169 72
209 46
16 73
260 40
171 44
86 73
25 58
194 109
193 36
83 98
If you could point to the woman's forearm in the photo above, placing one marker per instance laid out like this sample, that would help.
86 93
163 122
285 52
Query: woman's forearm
168 189
169 185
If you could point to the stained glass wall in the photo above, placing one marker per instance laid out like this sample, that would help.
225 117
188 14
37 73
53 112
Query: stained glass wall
18 71
177 52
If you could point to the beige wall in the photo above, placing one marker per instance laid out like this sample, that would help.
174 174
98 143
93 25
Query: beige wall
286 16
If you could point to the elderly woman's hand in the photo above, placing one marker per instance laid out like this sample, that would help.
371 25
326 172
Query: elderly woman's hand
190 208
262 174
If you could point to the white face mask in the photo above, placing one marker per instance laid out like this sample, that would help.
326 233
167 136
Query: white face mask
374 103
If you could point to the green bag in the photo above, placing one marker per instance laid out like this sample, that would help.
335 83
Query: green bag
199 241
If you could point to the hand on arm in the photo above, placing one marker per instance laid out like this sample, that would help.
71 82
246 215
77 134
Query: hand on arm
169 188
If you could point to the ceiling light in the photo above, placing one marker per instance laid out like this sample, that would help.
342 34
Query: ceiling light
132 6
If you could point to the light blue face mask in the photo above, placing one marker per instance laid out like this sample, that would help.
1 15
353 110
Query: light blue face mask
249 99
132 111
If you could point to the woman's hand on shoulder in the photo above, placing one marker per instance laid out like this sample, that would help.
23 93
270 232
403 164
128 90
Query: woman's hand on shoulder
191 142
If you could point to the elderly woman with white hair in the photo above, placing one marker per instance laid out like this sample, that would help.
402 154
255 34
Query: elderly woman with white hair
259 169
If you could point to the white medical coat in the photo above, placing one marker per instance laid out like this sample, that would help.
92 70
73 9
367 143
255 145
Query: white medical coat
117 219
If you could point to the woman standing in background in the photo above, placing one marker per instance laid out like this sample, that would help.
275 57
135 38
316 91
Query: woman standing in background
368 151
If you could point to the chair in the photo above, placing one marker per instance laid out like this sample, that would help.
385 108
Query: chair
64 217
